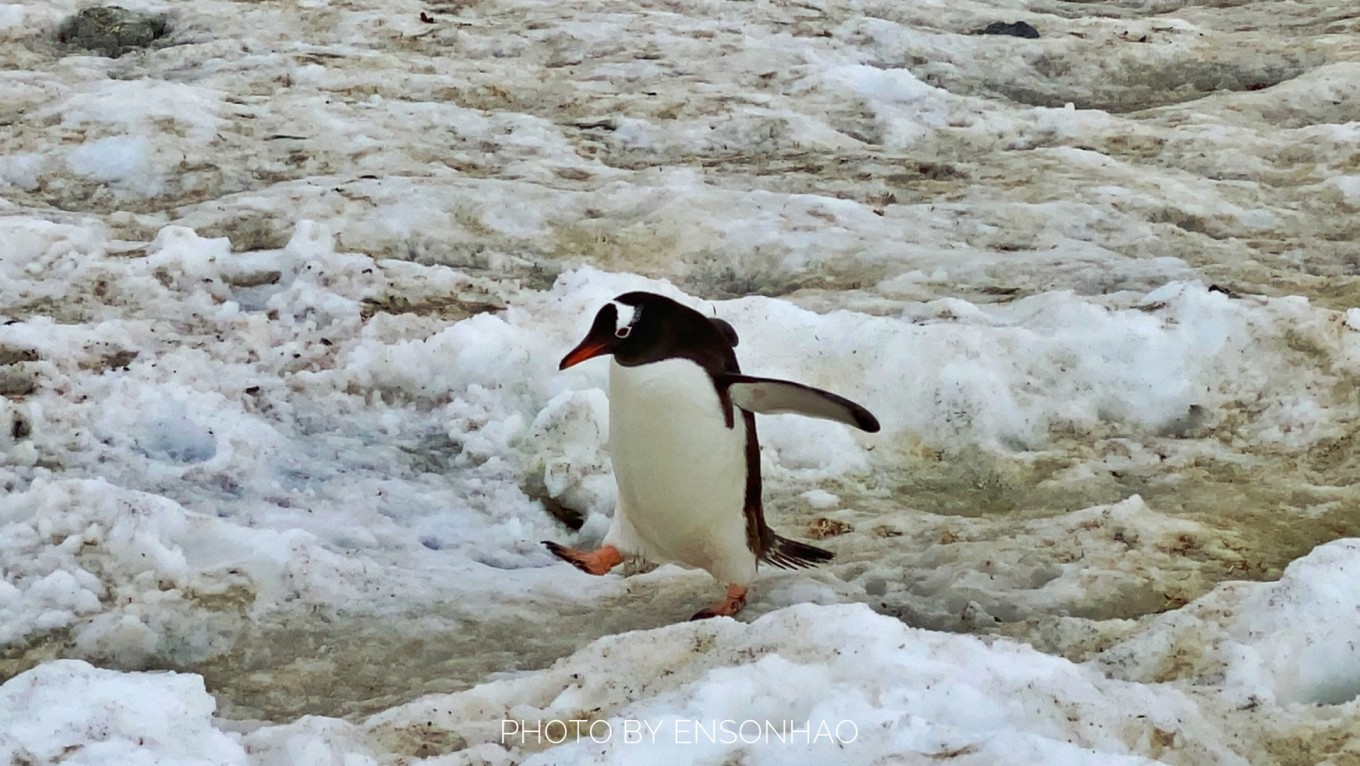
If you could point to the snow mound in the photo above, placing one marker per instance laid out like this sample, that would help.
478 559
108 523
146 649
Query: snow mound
70 712
128 571
1291 641
864 687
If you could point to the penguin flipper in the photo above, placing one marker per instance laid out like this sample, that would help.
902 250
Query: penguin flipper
791 554
766 396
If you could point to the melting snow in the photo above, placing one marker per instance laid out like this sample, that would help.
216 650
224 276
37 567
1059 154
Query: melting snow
281 425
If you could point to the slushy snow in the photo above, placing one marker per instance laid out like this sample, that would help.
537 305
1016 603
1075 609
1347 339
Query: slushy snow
282 303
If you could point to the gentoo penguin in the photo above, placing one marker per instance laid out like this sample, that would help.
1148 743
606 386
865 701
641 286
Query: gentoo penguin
682 441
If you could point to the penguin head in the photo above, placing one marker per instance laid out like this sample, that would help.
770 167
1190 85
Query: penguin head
641 327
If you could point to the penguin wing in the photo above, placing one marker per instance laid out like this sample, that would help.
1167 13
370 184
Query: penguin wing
766 396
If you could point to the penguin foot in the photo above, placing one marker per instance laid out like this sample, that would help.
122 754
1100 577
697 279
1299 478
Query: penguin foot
591 562
730 605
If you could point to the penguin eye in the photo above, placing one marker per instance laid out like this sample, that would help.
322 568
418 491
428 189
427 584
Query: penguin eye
623 332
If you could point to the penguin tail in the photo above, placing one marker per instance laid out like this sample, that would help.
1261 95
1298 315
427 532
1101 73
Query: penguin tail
791 554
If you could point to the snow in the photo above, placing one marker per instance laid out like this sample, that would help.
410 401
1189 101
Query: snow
11 15
820 498
132 718
140 103
281 429
799 685
1253 642
117 160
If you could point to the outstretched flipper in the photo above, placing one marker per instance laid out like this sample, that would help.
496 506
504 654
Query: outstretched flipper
791 554
766 396
591 562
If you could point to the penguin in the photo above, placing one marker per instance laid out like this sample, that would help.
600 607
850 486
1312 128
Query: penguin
683 445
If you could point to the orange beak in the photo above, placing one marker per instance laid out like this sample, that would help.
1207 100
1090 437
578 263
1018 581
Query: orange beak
589 348
600 339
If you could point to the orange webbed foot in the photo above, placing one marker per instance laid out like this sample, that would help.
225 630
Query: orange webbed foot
591 562
729 606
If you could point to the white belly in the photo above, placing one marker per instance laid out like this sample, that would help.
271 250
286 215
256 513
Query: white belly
681 471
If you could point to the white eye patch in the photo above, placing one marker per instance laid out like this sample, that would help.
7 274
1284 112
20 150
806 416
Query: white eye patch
627 317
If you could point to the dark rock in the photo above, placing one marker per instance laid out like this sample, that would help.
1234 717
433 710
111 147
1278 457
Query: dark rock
1016 29
573 518
20 428
111 31
534 488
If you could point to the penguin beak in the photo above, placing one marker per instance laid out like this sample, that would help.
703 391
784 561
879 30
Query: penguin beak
600 339
590 347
